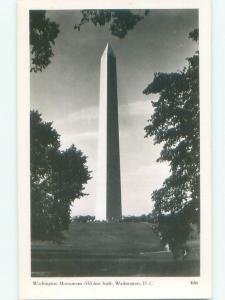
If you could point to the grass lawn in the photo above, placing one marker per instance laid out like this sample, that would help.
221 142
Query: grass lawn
110 249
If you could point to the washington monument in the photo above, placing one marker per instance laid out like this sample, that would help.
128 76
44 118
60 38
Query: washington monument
108 205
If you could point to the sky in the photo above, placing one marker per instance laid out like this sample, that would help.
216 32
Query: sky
67 93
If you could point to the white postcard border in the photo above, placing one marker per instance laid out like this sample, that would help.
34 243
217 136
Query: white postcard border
156 287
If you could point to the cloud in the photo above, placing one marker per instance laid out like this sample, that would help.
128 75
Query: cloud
86 113
85 135
81 140
138 108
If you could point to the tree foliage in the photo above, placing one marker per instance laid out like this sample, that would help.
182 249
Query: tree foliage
83 219
175 125
120 20
143 218
57 179
43 33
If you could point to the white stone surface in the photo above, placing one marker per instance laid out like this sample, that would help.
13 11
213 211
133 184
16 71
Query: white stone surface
108 205
102 139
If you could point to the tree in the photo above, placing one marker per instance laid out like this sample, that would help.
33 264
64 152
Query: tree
120 20
57 179
175 125
43 32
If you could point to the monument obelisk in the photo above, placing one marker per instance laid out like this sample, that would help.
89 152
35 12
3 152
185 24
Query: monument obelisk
108 206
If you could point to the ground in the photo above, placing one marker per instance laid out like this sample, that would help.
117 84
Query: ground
110 249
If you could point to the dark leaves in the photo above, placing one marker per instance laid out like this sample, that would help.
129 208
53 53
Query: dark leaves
120 21
43 33
57 179
175 125
194 35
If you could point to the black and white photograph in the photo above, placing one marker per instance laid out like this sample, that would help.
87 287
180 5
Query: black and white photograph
118 191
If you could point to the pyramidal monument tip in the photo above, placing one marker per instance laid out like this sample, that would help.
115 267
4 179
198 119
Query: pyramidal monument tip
108 49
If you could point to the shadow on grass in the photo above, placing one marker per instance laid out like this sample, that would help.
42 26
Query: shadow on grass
49 265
